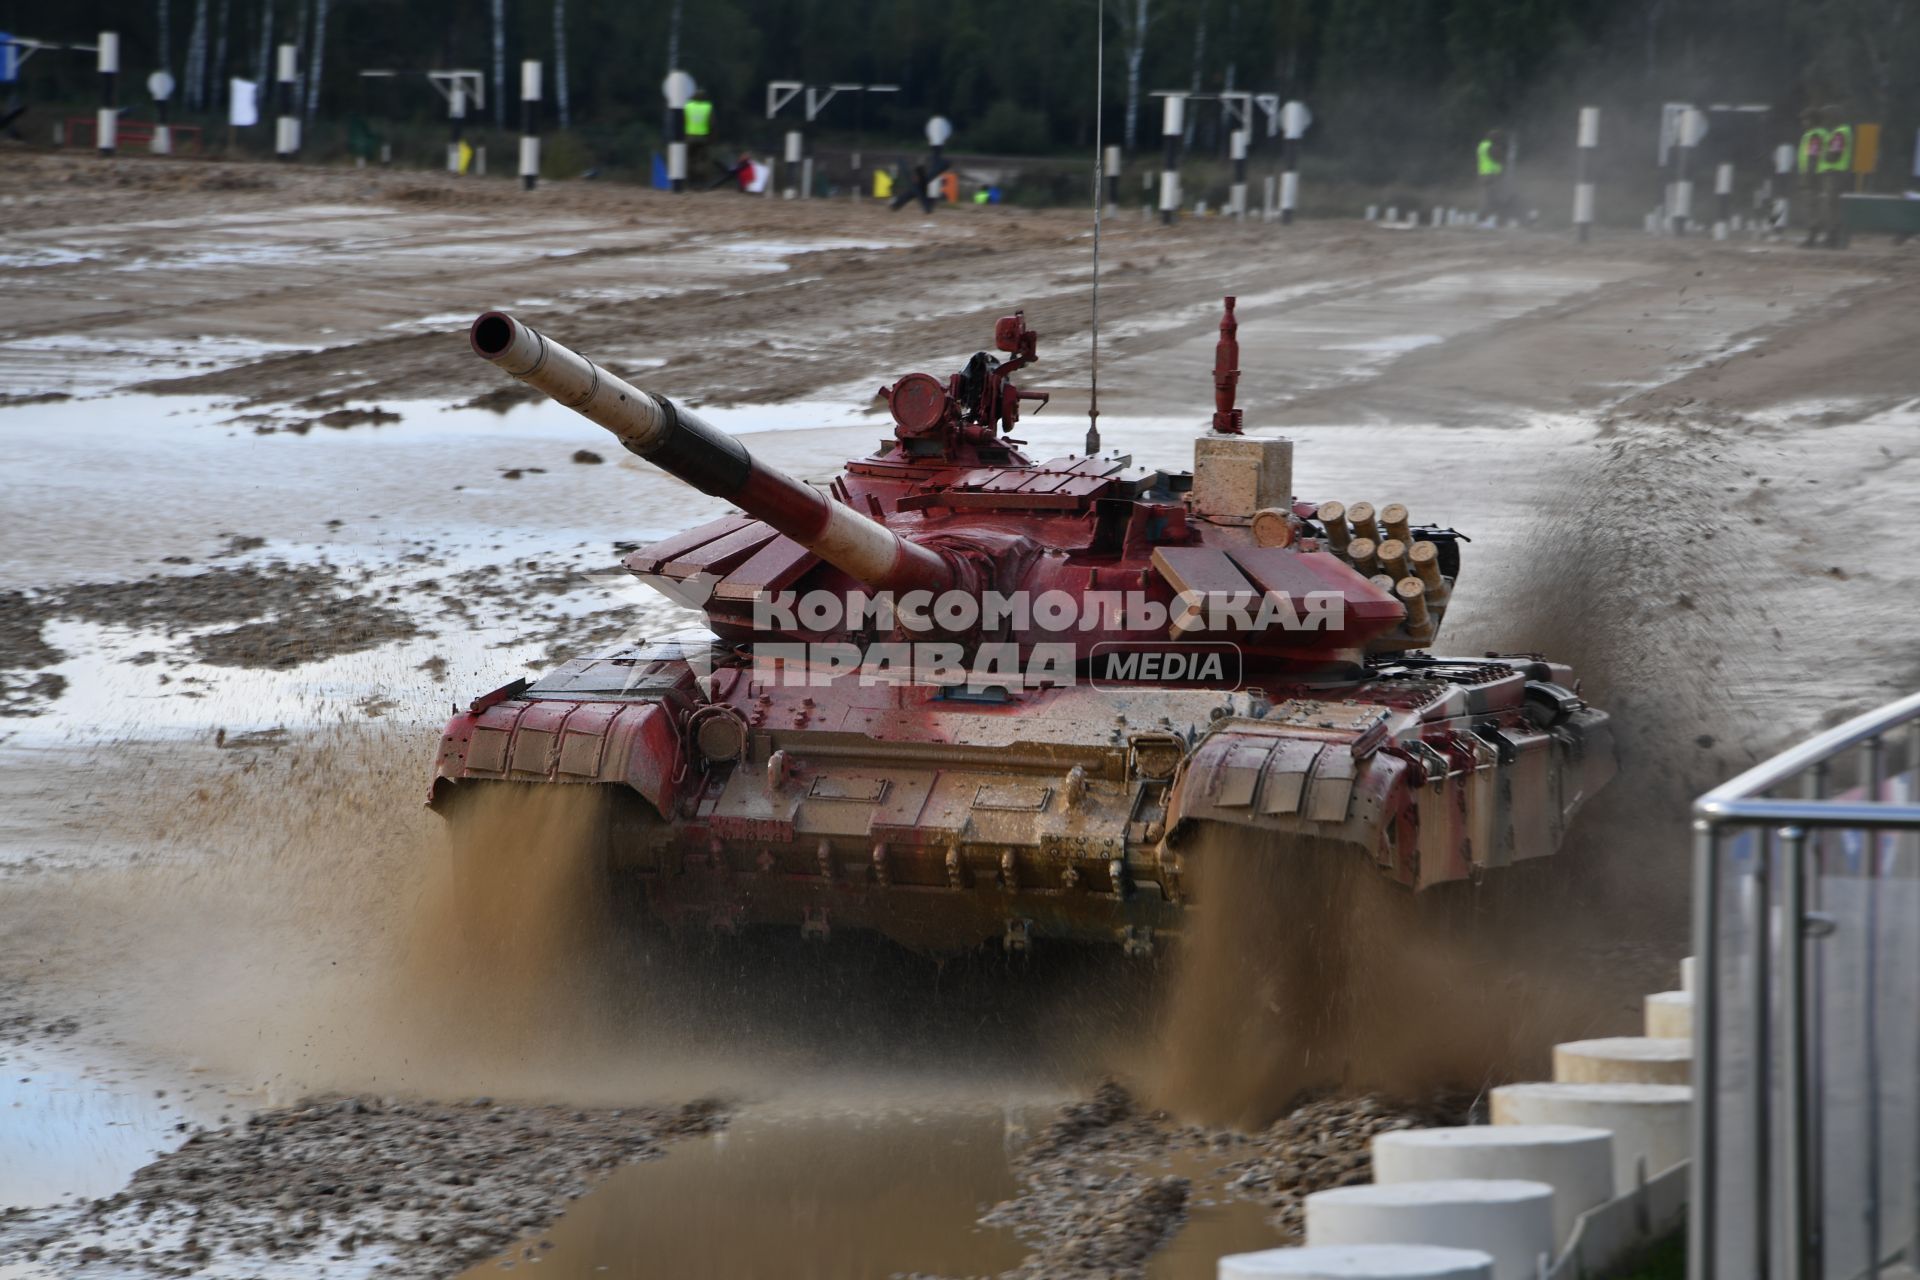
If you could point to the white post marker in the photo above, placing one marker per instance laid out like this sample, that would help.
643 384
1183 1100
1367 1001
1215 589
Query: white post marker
796 147
1576 1161
1722 199
1172 119
1294 119
529 134
1693 127
1650 1123
456 119
160 85
939 133
1511 1219
1112 181
106 125
286 127
1237 149
1359 1262
1783 171
1589 141
677 88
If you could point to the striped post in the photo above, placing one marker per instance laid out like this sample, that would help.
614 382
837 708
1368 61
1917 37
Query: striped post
162 130
677 147
1172 119
1783 156
1722 200
529 136
106 125
1112 183
1589 141
456 122
286 129
1237 148
1682 210
1293 123
796 147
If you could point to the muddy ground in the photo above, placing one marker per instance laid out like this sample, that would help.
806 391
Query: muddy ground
265 517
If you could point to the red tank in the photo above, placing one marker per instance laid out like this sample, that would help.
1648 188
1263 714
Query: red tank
962 696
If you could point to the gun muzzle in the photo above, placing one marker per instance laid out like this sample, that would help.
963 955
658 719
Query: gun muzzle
680 443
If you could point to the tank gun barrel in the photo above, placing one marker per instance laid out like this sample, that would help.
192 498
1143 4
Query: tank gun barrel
684 445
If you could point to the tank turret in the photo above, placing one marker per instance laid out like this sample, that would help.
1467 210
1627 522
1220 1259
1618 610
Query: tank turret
683 444
1059 751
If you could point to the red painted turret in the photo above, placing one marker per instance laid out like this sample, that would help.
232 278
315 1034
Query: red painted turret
961 695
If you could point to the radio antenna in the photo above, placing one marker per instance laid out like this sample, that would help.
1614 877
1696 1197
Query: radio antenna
1099 186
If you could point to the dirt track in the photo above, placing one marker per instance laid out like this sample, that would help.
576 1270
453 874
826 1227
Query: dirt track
251 557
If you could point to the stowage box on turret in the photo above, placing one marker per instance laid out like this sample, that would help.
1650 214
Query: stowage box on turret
963 697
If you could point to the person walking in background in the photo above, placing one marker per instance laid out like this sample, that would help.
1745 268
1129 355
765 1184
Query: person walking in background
920 186
907 190
1492 173
699 133
1826 156
742 175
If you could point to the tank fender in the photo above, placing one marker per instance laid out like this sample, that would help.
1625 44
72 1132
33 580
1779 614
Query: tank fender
636 744
1290 783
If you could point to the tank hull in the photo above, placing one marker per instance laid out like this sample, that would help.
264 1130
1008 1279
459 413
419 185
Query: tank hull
947 821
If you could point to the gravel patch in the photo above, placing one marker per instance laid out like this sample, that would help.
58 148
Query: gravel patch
385 1187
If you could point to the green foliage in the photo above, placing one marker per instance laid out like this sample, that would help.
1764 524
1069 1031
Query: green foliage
1666 1260
1007 126
1398 87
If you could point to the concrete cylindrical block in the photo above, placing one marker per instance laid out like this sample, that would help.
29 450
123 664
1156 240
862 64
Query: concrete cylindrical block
1510 1220
1360 1262
1649 1122
1686 973
1576 1161
1669 1015
1623 1060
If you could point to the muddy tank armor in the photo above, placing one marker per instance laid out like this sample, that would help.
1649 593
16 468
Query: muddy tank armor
1081 665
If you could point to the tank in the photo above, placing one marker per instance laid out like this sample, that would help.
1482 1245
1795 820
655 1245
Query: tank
962 697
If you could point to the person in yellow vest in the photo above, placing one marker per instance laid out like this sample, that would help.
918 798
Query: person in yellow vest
699 111
1825 157
1492 173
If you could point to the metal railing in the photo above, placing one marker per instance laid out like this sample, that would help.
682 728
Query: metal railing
1806 1072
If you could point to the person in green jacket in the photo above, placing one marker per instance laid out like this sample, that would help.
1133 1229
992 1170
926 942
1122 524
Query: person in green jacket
1492 173
699 113
1825 157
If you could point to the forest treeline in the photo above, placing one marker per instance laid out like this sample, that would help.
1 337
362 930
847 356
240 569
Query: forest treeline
1387 79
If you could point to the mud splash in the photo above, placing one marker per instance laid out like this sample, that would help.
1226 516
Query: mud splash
1304 970
511 952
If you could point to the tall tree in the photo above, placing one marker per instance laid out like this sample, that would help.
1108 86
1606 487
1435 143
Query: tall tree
265 65
1136 53
500 62
316 62
198 62
218 72
560 63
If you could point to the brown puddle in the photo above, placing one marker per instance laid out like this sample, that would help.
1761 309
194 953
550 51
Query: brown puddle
833 1196
841 1197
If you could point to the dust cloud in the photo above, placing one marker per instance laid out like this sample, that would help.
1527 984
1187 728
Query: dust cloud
290 918
1304 971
